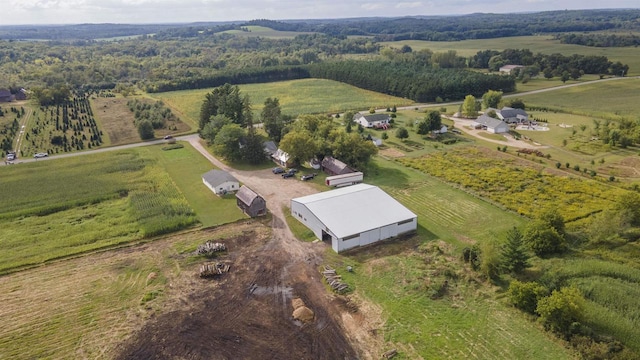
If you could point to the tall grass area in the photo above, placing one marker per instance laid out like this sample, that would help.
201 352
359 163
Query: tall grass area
537 44
67 206
306 96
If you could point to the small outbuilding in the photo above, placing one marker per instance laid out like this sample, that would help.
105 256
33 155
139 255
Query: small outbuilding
507 69
220 182
333 166
6 96
353 216
250 202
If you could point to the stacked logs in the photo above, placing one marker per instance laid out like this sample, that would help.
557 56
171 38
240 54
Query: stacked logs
334 280
211 270
210 247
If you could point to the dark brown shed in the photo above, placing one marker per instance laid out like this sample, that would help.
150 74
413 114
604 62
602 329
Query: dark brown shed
250 202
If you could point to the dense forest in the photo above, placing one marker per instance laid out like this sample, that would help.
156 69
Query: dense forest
599 39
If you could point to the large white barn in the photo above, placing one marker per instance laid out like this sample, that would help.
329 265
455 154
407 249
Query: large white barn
353 216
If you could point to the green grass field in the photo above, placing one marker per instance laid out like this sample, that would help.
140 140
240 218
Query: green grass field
68 206
261 31
537 44
307 96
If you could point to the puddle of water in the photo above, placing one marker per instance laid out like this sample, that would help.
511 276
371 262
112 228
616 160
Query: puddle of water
287 292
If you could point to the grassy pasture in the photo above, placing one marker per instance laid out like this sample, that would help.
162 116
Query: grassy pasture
306 96
537 44
68 206
261 31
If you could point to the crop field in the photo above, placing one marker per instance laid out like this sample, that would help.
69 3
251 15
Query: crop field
537 44
74 205
307 96
529 188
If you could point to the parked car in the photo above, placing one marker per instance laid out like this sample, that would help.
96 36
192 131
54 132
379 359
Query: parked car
293 171
456 131
168 137
40 155
277 170
308 177
11 156
288 175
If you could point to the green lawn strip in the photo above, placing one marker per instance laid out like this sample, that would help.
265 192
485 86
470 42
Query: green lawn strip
186 166
297 228
306 96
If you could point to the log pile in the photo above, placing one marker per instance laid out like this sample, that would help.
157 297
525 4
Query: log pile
390 354
210 247
210 269
334 280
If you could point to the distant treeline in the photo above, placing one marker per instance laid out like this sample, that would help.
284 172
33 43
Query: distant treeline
600 40
405 80
434 28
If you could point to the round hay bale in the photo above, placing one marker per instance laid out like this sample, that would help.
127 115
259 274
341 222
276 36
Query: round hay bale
296 303
303 314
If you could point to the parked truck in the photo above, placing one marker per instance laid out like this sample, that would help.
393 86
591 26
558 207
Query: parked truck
344 179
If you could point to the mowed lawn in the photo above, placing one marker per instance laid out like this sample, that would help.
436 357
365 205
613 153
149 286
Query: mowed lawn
306 96
537 44
186 166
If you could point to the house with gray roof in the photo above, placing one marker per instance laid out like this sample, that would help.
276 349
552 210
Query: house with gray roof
353 216
512 116
507 69
220 182
376 121
490 124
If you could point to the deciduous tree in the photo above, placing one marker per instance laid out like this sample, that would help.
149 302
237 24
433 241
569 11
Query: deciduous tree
469 107
227 142
491 99
300 146
525 295
562 310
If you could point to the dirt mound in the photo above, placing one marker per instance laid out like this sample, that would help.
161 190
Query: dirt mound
303 314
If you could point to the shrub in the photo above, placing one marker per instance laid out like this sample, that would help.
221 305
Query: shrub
562 311
543 239
525 295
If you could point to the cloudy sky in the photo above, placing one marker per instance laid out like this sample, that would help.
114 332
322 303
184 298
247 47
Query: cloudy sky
172 11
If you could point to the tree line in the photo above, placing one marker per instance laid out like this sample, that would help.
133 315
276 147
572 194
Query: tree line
599 39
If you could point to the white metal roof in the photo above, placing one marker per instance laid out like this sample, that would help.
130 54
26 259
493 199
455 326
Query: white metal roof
355 209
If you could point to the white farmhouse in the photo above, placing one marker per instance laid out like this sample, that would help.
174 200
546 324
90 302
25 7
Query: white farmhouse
353 216
220 182
376 121
490 124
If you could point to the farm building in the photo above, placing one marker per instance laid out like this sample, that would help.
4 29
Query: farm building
507 69
6 96
378 121
512 116
281 158
250 202
492 125
269 148
353 216
220 182
334 166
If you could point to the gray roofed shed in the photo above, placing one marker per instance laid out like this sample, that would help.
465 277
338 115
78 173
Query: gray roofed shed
333 166
220 182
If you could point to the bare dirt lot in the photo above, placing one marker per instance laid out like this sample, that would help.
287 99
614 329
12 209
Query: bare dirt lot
245 313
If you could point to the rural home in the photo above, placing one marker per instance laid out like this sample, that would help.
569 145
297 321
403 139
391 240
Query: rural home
508 68
492 125
6 96
220 182
269 148
512 116
353 216
281 158
250 202
334 166
377 121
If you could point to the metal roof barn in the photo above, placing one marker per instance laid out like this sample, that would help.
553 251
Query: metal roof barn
353 216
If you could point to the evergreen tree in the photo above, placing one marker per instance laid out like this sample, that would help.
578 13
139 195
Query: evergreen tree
515 257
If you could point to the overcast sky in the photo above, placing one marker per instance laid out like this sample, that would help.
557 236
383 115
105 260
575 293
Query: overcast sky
174 11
